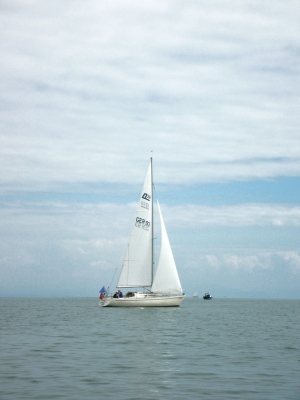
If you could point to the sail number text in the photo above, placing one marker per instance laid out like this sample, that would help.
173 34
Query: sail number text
142 223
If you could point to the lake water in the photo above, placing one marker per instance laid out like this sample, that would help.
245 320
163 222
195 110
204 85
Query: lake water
220 349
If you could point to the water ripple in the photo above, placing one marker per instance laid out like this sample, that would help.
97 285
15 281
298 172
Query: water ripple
223 349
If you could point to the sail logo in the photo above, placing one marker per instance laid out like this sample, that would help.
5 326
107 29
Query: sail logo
141 223
146 196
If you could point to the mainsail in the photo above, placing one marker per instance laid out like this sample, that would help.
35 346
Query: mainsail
137 265
166 278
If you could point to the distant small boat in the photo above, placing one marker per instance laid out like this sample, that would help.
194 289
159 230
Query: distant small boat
207 296
195 294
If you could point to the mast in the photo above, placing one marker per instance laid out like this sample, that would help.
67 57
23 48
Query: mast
152 249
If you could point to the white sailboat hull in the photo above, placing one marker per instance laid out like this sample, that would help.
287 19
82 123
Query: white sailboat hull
143 300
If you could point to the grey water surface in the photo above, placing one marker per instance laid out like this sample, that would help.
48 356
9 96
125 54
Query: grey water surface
71 348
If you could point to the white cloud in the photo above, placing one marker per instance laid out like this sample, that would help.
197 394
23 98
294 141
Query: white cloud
288 261
90 87
292 258
236 215
248 263
71 249
212 260
257 273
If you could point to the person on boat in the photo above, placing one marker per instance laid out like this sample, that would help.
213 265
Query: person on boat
116 295
102 295
120 294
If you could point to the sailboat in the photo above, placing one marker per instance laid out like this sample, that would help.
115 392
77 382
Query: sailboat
162 288
195 293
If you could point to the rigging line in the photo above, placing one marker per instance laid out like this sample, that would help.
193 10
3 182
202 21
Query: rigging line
112 279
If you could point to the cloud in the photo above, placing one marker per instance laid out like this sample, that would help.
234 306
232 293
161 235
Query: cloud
242 261
247 262
68 248
292 258
88 88
270 274
236 215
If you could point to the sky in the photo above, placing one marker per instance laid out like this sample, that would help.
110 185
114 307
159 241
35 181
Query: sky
91 90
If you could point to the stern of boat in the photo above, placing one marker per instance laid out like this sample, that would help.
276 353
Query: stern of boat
105 302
